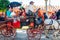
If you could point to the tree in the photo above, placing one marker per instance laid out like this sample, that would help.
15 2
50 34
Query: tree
3 4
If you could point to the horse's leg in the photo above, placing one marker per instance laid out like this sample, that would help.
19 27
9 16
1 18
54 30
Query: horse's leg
46 31
59 28
56 31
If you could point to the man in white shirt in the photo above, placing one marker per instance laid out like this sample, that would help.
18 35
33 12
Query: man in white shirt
31 7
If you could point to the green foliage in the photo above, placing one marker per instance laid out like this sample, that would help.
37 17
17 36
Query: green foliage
3 4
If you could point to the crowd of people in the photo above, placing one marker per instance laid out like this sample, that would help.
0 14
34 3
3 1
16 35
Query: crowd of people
30 16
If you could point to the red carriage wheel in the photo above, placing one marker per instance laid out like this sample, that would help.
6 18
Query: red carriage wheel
9 31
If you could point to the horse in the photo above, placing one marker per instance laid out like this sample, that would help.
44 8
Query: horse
51 24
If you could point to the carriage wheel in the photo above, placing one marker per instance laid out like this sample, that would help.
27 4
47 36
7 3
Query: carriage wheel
1 28
9 31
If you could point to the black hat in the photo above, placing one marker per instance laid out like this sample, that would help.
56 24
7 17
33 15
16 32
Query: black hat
14 4
31 2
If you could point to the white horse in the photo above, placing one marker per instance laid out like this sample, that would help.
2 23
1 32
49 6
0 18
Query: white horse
51 23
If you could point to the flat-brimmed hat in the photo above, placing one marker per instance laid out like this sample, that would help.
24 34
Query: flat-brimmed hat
14 4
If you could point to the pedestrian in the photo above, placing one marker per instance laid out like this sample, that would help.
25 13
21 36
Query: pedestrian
45 16
53 16
58 14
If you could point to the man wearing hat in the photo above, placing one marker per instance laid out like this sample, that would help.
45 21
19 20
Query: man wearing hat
31 7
